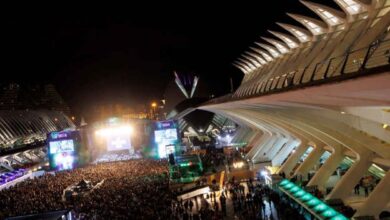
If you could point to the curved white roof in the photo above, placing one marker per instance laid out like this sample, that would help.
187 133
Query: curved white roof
286 39
270 49
279 45
352 7
257 57
253 61
302 35
331 16
314 26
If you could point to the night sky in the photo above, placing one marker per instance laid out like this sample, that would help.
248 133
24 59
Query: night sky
127 54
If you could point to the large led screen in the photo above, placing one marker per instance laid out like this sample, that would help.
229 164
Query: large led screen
61 146
119 142
165 139
62 153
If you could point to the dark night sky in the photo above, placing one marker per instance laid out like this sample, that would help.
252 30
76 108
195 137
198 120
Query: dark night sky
128 53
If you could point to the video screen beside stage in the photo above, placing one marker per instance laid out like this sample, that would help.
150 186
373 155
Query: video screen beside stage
63 149
166 138
61 146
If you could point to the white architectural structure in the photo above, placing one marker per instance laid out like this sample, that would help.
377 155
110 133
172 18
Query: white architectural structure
325 88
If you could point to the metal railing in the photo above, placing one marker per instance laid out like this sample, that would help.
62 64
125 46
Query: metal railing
355 63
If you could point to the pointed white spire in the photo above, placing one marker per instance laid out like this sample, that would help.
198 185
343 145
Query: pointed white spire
243 65
255 62
302 35
240 68
247 63
257 57
263 53
180 85
316 27
270 49
289 40
82 122
352 7
331 16
279 45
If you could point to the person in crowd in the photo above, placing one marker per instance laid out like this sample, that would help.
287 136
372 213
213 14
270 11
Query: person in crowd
365 191
357 189
129 191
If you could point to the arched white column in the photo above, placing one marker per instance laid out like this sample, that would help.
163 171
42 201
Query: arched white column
327 169
311 160
344 187
292 160
284 152
378 199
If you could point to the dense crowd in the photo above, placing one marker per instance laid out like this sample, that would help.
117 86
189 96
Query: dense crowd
134 189
112 157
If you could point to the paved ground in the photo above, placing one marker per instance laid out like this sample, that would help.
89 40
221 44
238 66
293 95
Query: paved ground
230 215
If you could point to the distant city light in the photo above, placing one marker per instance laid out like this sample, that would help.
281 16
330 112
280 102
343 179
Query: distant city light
154 104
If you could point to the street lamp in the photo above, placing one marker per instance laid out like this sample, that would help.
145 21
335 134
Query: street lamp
154 105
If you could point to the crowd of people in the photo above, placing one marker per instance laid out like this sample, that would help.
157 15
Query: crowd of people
258 201
112 157
248 200
368 184
134 189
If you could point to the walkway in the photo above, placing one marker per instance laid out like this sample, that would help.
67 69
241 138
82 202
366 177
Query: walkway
230 214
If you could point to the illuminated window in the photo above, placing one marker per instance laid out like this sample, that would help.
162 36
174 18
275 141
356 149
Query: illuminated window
351 6
262 61
289 42
258 58
330 18
316 29
273 52
281 48
300 35
252 61
266 56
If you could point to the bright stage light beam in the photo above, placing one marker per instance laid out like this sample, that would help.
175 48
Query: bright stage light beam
107 132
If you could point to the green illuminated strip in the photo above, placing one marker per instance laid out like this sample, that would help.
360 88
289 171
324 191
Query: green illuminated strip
310 202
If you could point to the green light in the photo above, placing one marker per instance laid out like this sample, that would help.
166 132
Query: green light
283 182
306 197
294 189
313 202
299 193
320 207
339 217
329 213
289 185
